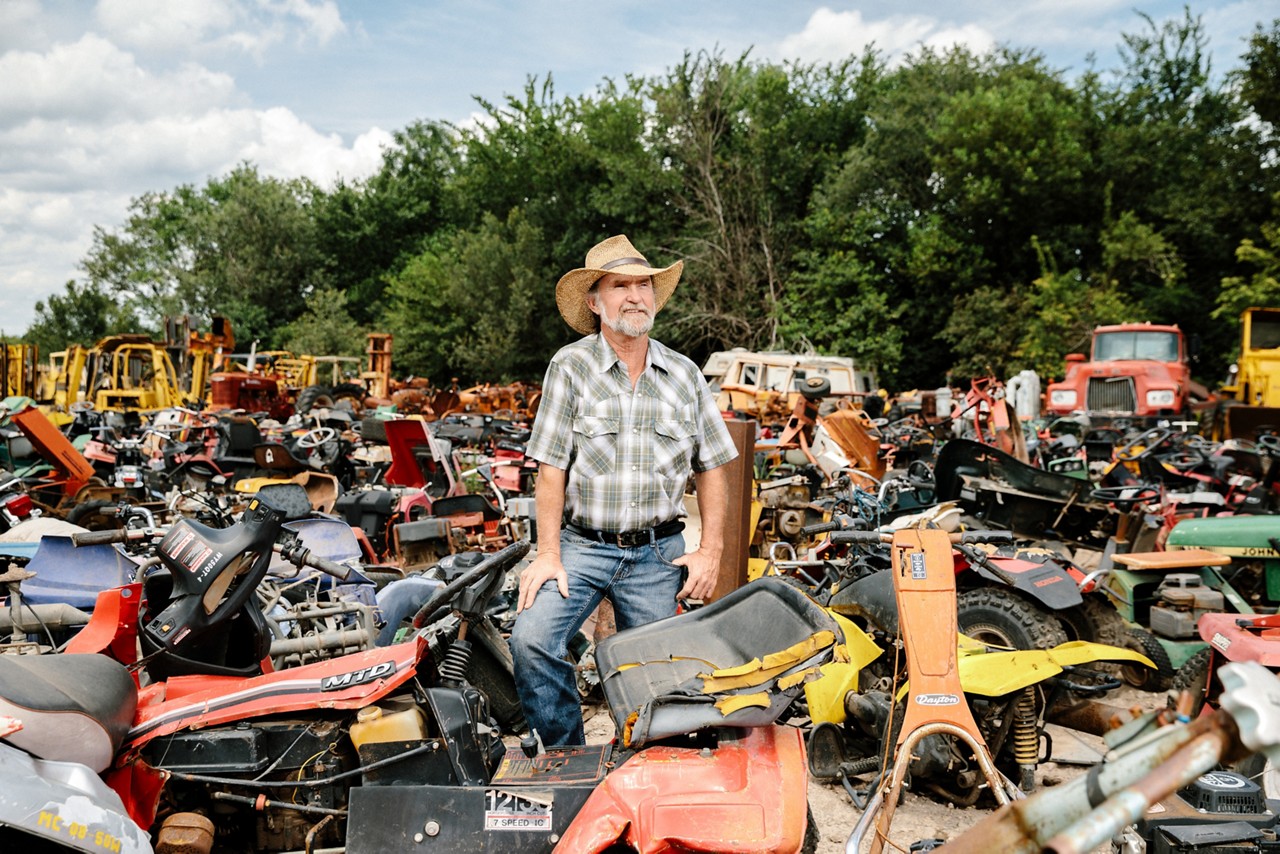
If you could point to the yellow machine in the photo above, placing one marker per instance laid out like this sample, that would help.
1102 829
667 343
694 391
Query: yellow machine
121 373
1256 399
18 364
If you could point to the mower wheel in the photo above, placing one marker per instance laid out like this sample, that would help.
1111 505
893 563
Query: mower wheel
313 397
1002 618
1095 620
1141 677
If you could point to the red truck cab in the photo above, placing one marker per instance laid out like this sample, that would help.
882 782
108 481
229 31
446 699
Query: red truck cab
1137 370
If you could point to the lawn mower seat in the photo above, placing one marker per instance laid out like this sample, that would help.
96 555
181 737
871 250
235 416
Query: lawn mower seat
738 662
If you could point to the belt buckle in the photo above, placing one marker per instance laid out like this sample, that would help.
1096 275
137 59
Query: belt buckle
631 539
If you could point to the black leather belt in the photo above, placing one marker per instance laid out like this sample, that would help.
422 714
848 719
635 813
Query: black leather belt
629 539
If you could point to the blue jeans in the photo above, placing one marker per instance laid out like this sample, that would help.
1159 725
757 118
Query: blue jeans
641 582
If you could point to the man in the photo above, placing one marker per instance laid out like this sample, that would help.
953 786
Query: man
622 422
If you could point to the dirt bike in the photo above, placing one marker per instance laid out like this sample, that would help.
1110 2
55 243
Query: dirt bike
385 749
859 709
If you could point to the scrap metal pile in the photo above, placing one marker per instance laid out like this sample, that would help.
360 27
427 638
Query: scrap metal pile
979 573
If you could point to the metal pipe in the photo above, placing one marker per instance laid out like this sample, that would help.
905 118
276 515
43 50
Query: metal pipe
360 639
54 615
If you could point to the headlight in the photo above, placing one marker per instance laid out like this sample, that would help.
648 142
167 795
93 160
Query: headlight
1062 397
1160 398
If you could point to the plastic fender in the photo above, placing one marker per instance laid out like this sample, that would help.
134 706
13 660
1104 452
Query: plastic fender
825 695
1046 583
1238 637
748 794
350 682
995 674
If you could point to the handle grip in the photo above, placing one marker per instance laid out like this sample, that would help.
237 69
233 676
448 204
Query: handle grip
100 538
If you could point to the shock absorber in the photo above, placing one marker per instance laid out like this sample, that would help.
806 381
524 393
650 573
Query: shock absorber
453 669
1026 738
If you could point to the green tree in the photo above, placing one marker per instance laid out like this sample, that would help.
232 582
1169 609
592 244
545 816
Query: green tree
81 314
1262 286
477 304
1260 77
367 229
326 327
243 247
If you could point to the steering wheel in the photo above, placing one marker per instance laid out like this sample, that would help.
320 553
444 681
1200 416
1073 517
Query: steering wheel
316 437
495 565
1116 495
81 406
1140 446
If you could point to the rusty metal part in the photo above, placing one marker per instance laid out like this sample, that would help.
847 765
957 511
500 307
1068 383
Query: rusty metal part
1089 716
1029 825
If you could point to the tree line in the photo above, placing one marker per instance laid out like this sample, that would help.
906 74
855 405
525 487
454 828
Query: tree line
955 214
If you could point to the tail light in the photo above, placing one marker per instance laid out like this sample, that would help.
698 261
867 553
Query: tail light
18 504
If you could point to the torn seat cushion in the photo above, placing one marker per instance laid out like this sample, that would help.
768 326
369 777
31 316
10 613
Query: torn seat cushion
739 661
73 708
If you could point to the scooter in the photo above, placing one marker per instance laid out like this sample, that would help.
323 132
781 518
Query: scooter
384 749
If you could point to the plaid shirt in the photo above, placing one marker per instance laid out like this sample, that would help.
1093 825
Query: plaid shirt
628 453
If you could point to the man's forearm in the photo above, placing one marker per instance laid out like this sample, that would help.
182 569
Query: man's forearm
713 507
548 498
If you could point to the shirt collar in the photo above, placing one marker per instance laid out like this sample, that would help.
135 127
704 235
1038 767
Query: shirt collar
606 357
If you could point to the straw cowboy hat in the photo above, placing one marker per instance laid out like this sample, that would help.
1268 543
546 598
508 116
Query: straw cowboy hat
615 255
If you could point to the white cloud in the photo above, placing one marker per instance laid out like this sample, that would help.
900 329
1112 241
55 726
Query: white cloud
164 25
179 27
93 80
830 36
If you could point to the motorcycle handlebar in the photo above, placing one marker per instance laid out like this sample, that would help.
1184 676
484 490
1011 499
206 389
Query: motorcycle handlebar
101 538
337 570
963 537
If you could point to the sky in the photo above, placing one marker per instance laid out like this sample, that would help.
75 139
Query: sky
103 101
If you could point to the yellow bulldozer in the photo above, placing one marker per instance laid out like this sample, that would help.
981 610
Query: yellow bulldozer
1252 395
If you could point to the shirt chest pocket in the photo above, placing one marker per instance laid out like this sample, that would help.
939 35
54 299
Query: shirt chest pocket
673 449
595 443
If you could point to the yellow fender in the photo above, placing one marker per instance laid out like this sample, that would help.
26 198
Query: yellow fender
825 695
994 674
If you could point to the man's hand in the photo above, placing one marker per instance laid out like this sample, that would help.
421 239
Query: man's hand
544 568
704 568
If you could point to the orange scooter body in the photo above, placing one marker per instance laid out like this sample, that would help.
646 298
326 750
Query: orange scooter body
733 798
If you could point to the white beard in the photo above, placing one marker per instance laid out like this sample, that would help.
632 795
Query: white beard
627 323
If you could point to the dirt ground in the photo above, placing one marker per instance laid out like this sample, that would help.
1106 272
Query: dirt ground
921 817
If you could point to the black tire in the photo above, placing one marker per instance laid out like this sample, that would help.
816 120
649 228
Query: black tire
353 392
1095 620
1194 678
488 673
811 835
1142 677
90 515
1002 618
312 397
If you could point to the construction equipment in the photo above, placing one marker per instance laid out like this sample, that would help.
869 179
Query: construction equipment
1252 402
18 370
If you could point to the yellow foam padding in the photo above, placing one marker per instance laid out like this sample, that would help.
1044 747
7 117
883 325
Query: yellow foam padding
251 485
759 671
731 704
